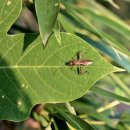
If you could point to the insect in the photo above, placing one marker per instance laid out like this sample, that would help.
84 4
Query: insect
79 63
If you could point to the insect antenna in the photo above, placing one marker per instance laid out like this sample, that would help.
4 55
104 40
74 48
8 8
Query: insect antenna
78 55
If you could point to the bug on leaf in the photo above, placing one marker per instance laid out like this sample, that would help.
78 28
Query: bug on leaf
79 63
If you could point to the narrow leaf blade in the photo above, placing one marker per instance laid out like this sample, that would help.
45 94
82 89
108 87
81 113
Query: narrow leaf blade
57 32
75 121
109 94
47 11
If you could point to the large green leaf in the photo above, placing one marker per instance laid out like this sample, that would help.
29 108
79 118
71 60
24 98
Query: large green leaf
47 11
39 76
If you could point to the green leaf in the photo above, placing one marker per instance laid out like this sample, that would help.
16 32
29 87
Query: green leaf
95 21
84 108
117 56
60 124
110 20
61 112
122 85
9 11
47 11
66 24
109 94
113 4
57 32
40 76
74 120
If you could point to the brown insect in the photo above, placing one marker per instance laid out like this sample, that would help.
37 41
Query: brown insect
79 63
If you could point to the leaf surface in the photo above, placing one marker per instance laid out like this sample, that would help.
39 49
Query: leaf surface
47 11
37 76
40 76
57 32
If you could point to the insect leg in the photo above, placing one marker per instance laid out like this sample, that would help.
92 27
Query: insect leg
78 55
85 72
72 69
79 69
74 57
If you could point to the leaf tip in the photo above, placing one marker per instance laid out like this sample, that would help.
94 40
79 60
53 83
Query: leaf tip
116 69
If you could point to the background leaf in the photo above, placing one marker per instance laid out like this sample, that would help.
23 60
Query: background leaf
57 32
110 94
75 121
47 12
61 112
9 11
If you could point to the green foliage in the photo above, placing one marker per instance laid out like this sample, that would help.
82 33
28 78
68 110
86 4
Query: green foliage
47 12
31 73
18 72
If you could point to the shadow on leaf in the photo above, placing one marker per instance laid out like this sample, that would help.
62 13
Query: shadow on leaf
14 102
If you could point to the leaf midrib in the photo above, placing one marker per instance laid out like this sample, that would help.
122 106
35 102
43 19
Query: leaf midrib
42 66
